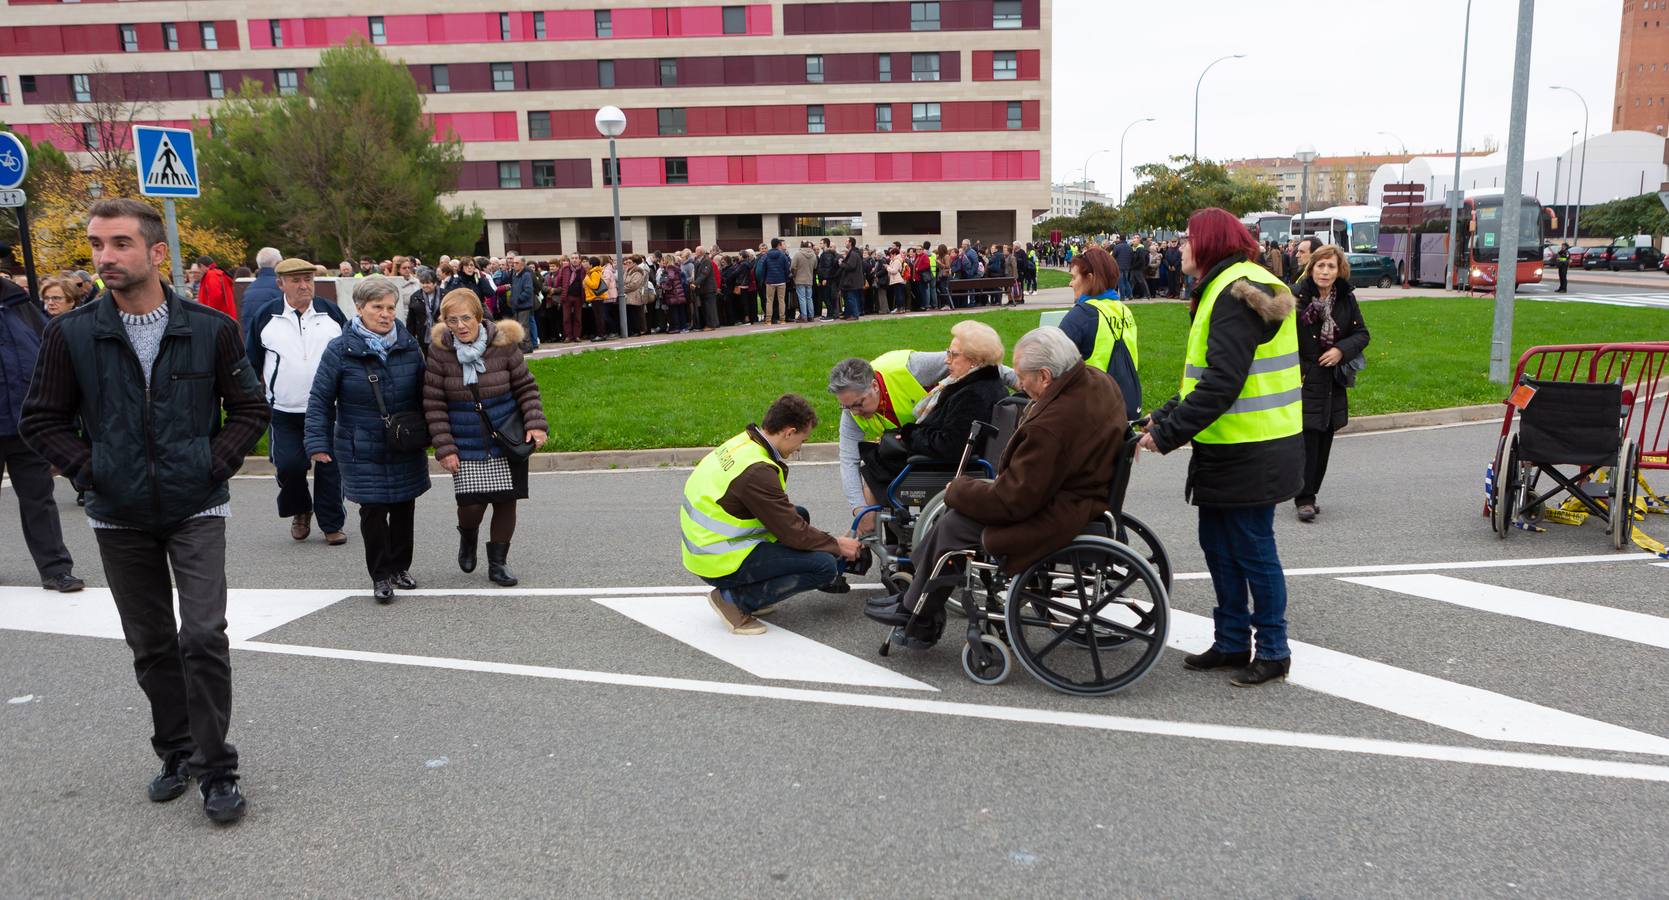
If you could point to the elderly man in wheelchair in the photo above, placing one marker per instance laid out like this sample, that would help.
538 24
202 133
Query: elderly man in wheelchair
1085 613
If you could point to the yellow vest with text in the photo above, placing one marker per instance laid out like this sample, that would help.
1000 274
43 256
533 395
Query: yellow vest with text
716 542
1271 403
902 388
1113 321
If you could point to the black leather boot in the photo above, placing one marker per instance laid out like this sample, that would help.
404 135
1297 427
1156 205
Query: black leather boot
497 572
466 547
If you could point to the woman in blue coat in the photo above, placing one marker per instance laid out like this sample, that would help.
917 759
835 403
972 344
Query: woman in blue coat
345 422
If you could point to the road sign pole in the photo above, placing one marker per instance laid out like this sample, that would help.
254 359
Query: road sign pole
173 244
28 250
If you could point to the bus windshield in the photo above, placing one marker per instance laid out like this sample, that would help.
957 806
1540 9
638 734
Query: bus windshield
1486 243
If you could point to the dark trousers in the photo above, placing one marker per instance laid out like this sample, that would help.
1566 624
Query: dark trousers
603 316
289 456
386 530
1563 272
954 531
186 672
678 316
572 327
854 304
1318 446
709 310
524 318
773 573
1239 545
42 533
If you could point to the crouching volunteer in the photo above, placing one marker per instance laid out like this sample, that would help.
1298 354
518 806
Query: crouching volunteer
741 533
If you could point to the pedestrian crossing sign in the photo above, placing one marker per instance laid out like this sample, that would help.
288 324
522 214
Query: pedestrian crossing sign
167 161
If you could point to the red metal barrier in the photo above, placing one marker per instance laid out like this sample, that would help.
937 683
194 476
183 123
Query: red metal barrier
1553 362
1642 368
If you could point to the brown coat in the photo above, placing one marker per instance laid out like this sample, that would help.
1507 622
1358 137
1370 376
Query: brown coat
443 382
1056 472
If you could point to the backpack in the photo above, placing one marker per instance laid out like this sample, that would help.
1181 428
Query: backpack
1123 369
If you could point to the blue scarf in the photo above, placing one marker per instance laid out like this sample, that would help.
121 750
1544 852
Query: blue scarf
379 344
469 355
1104 295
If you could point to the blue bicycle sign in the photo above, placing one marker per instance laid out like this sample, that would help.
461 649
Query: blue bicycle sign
14 161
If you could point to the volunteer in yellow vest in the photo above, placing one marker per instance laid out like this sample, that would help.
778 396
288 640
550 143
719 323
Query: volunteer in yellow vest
1098 322
1241 407
742 535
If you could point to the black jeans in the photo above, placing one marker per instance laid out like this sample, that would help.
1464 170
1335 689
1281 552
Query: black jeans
285 447
42 532
186 672
386 530
1318 446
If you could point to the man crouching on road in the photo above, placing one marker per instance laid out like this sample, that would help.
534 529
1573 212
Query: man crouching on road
742 535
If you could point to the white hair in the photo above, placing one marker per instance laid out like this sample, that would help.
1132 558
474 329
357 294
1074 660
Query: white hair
1047 348
375 286
268 258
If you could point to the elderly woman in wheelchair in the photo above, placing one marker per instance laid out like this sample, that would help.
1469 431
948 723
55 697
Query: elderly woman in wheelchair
1084 612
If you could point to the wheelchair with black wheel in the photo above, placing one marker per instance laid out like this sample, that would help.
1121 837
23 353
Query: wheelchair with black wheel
1090 618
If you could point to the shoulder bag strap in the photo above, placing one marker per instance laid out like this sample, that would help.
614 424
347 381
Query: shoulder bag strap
481 411
376 391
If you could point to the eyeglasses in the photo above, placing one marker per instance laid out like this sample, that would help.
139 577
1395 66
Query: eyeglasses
954 354
458 320
855 405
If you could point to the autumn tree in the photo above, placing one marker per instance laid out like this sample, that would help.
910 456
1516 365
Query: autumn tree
1166 195
47 165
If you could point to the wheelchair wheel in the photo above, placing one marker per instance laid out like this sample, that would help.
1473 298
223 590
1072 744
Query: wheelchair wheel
926 519
898 582
1135 534
1506 491
1090 618
988 663
1625 481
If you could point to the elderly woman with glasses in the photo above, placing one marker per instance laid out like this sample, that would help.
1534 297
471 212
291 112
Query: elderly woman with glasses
367 376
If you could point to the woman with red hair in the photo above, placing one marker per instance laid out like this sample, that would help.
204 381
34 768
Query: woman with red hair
1241 406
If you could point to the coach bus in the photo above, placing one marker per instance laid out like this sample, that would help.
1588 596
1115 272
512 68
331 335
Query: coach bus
1268 226
1422 251
1353 229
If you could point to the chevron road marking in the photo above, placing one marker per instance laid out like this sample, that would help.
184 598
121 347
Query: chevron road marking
1621 624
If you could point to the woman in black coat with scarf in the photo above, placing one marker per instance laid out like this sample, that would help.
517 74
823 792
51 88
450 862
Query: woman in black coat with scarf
1331 338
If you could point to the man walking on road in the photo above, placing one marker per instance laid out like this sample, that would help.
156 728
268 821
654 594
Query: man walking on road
149 375
742 534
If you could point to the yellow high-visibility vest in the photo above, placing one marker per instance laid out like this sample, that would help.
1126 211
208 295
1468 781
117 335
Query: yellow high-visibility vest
716 542
1113 321
902 388
1271 402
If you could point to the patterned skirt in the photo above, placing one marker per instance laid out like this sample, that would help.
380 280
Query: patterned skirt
492 480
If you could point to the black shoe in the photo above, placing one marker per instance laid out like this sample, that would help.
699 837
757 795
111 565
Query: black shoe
466 547
838 586
404 582
383 591
172 781
884 601
223 802
1216 659
1307 512
497 572
894 615
63 583
1262 671
80 498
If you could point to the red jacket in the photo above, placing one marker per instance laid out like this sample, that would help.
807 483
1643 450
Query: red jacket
215 291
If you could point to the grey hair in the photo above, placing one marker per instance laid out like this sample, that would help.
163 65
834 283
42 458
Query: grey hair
268 258
1047 348
852 374
424 273
371 288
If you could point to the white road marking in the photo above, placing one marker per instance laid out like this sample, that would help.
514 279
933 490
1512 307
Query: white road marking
1648 300
1469 710
1511 759
1448 566
1621 624
92 612
778 654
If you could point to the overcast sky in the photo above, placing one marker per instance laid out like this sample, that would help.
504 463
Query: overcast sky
1319 72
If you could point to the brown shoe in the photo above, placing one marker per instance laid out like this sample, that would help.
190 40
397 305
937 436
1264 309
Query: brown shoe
765 611
301 526
336 538
738 621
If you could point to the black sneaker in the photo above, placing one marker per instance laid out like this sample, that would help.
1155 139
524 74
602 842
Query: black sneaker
838 586
404 582
223 802
894 614
63 583
383 591
1216 659
1262 671
172 781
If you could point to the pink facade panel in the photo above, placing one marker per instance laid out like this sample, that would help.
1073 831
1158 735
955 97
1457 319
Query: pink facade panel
636 23
641 172
696 21
709 170
759 20
476 127
570 25
406 29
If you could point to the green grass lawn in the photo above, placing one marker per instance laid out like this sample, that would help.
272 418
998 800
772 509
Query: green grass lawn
1051 278
1426 353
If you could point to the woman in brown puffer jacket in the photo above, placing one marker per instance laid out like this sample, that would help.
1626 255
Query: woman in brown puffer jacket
475 370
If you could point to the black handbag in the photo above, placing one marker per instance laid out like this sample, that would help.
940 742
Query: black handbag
512 438
403 432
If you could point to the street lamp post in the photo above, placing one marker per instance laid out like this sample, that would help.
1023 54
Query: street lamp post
1576 225
1564 227
611 123
1083 186
1452 273
1305 154
1197 98
1404 144
1121 156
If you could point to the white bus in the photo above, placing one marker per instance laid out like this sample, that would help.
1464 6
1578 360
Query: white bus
1268 226
1353 229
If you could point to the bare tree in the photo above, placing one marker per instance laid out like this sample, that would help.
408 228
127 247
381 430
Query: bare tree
101 127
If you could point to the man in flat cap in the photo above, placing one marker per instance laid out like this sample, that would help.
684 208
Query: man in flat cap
287 336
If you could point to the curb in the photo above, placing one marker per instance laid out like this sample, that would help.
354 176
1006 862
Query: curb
687 457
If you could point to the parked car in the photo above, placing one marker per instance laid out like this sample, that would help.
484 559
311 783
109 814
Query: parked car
1372 270
1597 258
1637 258
1577 255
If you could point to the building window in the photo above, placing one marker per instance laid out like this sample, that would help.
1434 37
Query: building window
924 117
676 170
538 124
924 17
1016 115
924 67
1005 14
441 78
171 35
605 73
1005 65
89 136
814 69
287 81
669 73
544 173
814 120
379 35
504 77
669 121
539 26
735 20
504 26
130 38
5 91
883 67
883 117
26 84
604 23
211 39
510 174
82 85
217 86
608 173
275 29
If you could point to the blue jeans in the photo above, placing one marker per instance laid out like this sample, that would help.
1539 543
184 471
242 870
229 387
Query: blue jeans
854 304
1239 547
808 306
289 456
773 573
929 297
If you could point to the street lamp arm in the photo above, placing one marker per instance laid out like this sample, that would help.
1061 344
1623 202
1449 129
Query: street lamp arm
1197 83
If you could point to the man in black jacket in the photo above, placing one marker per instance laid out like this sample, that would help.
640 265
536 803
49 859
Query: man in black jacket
828 278
149 375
